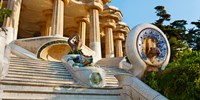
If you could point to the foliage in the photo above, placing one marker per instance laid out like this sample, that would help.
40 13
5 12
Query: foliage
4 13
181 79
174 31
193 36
76 52
163 15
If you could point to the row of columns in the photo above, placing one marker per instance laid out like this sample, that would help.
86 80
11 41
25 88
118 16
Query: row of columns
113 27
54 25
114 36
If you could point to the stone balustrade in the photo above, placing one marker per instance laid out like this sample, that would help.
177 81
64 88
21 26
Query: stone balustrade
89 75
135 89
5 55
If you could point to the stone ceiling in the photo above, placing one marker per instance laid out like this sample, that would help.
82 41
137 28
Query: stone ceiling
32 14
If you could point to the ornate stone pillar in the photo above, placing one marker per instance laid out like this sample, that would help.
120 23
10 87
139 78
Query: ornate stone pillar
95 43
12 23
82 28
109 18
58 17
119 37
48 26
120 34
109 46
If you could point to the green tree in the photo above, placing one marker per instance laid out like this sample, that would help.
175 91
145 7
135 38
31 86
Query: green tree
180 80
163 15
3 14
193 36
174 31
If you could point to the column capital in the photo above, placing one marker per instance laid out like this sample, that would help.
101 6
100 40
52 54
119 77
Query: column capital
110 16
119 36
121 26
108 25
81 19
65 1
111 12
94 5
106 1
121 31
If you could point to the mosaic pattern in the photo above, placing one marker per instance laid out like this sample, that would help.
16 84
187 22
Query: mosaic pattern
95 79
161 43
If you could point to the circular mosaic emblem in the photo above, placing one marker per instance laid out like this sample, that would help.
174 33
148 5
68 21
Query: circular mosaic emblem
95 79
152 46
147 45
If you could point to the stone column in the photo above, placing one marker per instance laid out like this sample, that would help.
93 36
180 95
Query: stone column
109 46
58 17
95 43
48 26
120 33
12 23
109 17
119 37
82 28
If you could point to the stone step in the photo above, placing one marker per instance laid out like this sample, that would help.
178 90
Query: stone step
56 92
70 89
24 95
111 85
39 75
34 66
29 59
47 80
112 69
41 84
33 61
39 69
40 72
70 81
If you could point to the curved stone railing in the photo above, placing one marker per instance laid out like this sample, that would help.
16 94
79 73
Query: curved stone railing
135 89
123 64
4 55
147 49
27 48
86 75
44 47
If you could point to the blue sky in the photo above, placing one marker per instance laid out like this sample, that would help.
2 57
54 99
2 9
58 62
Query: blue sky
142 11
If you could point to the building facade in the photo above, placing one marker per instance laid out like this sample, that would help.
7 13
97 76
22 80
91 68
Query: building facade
98 25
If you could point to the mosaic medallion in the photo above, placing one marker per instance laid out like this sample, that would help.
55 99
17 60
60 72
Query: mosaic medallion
152 46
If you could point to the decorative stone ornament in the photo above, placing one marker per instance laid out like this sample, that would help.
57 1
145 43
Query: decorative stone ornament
95 79
88 75
147 49
81 65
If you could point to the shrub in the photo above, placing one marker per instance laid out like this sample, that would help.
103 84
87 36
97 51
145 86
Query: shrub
181 79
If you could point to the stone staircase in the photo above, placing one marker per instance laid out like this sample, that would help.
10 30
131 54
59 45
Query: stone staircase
38 80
